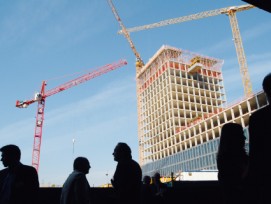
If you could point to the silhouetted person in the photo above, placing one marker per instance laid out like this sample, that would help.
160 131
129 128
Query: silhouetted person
259 148
160 189
76 189
147 193
232 163
127 177
19 183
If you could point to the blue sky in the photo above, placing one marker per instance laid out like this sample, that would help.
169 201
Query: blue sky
46 40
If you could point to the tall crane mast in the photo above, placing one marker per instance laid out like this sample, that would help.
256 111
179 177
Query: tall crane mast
139 65
231 12
43 94
240 53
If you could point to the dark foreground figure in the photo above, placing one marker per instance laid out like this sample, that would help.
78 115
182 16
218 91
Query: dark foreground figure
259 150
232 164
147 191
19 183
160 189
76 189
127 177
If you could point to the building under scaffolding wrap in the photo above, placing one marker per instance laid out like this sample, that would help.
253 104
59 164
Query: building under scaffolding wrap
181 109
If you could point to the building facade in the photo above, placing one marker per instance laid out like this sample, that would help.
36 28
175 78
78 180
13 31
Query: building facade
181 109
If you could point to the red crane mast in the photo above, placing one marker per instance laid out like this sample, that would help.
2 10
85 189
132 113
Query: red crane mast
40 99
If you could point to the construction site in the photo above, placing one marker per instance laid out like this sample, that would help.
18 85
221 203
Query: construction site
181 100
180 96
182 104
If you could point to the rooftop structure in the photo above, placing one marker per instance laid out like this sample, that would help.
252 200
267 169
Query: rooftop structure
182 107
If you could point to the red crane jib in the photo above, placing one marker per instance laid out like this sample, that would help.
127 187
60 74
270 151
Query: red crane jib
102 70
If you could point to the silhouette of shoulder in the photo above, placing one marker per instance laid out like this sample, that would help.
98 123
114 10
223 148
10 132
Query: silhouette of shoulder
262 112
260 128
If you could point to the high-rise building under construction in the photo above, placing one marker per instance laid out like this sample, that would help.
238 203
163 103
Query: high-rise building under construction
181 109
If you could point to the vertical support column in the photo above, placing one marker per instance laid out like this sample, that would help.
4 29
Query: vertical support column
38 134
240 53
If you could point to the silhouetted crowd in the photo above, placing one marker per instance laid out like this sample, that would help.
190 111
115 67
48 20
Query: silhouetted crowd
243 177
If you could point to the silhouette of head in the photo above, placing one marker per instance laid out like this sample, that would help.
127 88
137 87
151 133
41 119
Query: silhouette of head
11 155
146 179
81 164
232 137
267 85
156 177
122 152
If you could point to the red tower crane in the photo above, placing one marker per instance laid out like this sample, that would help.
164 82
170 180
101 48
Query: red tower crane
41 97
